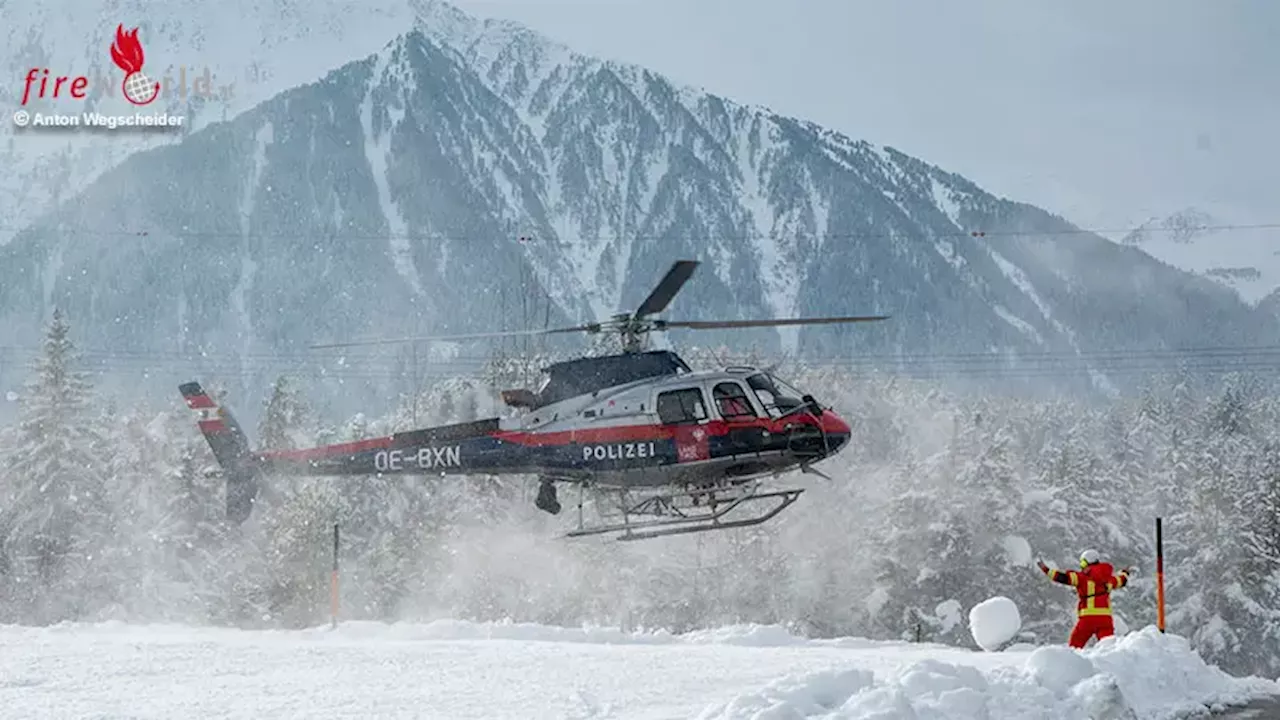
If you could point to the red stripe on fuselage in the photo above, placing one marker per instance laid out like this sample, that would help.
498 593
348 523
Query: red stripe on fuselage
615 434
593 436
350 448
199 402
636 433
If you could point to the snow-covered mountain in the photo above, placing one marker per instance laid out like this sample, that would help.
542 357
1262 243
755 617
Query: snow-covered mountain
1242 257
251 50
389 197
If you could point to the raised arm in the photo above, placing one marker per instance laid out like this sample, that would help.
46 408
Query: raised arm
1119 580
1064 577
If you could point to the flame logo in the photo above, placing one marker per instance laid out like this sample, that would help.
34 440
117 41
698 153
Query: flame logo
126 51
127 54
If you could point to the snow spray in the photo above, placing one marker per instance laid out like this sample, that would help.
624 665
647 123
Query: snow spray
333 582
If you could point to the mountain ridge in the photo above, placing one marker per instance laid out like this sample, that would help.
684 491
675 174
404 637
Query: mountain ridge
392 195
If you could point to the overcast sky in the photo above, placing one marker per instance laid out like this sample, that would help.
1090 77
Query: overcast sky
1105 112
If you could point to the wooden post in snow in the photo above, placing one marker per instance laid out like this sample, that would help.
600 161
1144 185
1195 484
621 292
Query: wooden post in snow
1160 574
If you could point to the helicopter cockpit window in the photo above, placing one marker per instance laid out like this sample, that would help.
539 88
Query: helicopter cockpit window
681 406
732 402
776 396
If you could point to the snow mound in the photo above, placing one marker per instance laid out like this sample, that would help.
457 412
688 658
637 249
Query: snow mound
796 696
1143 676
1059 668
746 635
1162 676
994 622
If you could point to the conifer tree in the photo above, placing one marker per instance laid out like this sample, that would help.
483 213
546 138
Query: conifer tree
284 418
57 517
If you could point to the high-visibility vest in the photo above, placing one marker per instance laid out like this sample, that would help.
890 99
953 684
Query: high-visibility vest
1095 596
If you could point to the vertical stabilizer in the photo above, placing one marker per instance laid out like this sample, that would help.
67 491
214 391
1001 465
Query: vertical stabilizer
230 448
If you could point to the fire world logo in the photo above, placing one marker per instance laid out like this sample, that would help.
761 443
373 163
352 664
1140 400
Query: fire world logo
126 51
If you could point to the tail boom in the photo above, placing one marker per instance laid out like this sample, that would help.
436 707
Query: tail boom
459 449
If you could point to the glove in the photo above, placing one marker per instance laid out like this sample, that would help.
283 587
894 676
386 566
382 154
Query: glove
1043 568
1129 570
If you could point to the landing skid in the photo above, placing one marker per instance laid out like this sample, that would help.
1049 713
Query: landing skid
692 511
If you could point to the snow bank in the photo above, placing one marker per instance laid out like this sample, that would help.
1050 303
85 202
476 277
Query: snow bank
994 622
755 672
1142 675
742 635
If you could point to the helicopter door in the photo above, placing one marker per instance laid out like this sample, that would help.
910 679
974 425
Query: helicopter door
686 411
734 406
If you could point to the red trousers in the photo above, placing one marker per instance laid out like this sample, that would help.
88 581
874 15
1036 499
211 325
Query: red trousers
1088 626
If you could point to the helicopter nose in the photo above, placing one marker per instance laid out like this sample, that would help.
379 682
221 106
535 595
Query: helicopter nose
836 429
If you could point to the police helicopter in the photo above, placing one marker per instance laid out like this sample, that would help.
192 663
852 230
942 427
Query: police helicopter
664 449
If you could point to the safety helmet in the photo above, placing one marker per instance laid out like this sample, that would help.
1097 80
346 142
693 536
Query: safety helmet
1088 557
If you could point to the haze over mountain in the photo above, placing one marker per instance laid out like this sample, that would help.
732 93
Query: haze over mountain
1245 258
389 197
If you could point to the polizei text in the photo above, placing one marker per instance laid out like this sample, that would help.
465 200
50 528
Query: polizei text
425 458
621 451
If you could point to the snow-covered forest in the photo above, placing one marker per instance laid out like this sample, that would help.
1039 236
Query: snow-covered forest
109 511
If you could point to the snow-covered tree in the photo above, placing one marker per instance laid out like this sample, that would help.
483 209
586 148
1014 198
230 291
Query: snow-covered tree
56 514
285 418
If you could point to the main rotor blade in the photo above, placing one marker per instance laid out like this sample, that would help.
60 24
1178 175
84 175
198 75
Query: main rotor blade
716 324
466 336
667 288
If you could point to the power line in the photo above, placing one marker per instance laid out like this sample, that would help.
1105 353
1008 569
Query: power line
920 372
389 367
1061 364
99 231
1267 350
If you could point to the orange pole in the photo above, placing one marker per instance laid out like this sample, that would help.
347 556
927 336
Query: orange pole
333 581
1160 574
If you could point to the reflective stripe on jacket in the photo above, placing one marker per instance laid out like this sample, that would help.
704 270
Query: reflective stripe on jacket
1093 585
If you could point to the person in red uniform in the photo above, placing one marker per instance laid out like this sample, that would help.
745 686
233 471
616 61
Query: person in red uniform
1093 583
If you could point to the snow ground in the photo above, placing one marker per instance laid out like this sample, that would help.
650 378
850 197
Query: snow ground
452 669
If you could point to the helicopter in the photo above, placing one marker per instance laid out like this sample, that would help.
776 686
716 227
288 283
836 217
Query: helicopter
665 449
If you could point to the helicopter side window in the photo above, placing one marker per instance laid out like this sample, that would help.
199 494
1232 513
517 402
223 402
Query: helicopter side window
732 402
681 406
